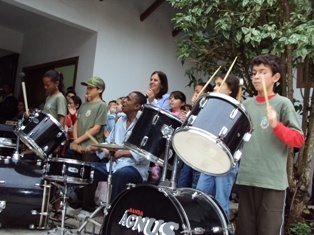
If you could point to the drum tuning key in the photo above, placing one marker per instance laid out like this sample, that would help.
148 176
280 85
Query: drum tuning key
203 102
195 195
166 130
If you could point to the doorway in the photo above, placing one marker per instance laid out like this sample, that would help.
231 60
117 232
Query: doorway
35 91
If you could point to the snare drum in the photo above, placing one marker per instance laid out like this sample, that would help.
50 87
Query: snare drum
42 133
212 134
69 170
23 196
148 135
149 209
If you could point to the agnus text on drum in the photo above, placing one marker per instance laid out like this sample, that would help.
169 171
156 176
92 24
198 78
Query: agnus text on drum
148 226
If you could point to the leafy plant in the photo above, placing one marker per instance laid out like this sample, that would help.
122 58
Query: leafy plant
300 229
215 32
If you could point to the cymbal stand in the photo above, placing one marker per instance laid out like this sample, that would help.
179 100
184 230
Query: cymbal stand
103 205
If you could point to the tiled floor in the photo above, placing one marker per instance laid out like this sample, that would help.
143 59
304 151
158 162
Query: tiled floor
71 227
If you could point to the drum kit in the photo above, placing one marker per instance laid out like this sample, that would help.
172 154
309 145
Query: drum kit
209 141
26 180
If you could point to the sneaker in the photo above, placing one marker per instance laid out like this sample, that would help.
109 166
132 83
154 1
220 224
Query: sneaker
72 211
83 214
56 216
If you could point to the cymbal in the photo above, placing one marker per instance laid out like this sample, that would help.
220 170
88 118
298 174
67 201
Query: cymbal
110 147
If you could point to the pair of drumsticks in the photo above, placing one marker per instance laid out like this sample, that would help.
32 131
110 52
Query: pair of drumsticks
227 74
239 97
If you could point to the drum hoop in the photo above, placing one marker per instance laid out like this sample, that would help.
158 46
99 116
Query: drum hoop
35 148
225 97
71 161
70 179
150 157
163 111
177 205
219 210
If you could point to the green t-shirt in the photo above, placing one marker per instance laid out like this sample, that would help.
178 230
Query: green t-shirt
89 115
56 105
264 158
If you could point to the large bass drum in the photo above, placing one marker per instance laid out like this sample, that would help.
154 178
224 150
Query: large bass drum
149 209
23 195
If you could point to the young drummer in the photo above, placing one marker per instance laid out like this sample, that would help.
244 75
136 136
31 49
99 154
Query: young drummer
262 174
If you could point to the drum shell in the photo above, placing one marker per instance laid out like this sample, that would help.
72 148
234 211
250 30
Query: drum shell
215 114
73 171
150 123
42 133
179 207
21 189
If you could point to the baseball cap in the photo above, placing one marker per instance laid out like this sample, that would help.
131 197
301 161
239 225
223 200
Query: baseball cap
95 82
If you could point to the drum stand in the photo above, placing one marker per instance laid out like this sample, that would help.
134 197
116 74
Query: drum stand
172 183
62 229
103 205
16 154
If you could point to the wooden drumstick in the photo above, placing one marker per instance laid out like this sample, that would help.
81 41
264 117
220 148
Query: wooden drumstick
209 80
227 74
92 138
239 98
22 75
265 90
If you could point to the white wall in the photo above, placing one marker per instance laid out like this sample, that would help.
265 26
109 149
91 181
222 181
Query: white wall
11 40
110 40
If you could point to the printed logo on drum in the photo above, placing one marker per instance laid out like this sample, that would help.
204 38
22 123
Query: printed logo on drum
136 211
145 225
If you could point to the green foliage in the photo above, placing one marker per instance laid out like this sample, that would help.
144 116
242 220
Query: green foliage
301 229
220 30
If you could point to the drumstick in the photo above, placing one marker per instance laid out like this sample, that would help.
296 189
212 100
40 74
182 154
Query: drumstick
22 75
240 90
265 91
227 74
208 82
92 138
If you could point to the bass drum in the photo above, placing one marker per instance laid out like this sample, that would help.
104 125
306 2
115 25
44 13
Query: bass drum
149 209
23 196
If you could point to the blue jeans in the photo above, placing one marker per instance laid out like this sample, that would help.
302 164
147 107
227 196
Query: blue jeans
120 178
219 187
188 177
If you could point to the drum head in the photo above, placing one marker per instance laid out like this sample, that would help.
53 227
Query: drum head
202 151
148 209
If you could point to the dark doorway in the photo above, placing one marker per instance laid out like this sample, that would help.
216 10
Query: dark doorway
34 74
8 67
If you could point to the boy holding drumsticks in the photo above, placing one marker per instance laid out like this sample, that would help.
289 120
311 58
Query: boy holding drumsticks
262 173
